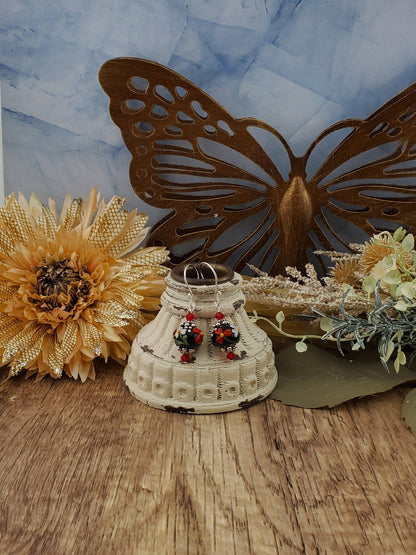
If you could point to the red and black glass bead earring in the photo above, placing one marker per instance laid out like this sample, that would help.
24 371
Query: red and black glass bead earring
224 335
187 336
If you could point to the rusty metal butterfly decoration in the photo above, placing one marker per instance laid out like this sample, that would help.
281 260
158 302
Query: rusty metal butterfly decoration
230 200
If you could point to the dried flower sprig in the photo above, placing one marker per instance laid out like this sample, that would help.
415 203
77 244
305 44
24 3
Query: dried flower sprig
388 258
297 293
73 286
380 278
395 331
387 267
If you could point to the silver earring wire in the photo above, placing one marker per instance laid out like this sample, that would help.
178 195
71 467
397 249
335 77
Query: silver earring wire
190 294
217 292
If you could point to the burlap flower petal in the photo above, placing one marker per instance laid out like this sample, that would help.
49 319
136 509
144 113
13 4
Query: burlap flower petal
70 289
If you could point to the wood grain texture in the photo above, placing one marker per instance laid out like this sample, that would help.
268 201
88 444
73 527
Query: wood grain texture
235 190
88 469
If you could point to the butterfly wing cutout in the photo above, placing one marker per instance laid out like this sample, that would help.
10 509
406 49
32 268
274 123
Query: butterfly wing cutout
228 201
191 156
369 180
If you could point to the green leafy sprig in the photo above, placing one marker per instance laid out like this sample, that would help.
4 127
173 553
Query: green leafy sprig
395 331
386 318
280 317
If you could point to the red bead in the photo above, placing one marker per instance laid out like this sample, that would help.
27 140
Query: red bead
190 316
230 355
219 316
185 357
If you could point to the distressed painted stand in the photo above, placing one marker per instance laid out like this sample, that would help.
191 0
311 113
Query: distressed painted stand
211 383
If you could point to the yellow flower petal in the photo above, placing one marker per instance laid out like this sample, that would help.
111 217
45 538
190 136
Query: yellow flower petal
107 223
47 223
70 289
73 214
69 338
52 356
91 336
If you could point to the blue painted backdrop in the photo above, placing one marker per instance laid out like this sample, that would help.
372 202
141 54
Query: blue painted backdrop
299 65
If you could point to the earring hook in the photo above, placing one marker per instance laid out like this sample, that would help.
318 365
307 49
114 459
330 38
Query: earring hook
190 294
217 292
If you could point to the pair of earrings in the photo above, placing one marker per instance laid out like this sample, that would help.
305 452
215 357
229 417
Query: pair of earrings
188 337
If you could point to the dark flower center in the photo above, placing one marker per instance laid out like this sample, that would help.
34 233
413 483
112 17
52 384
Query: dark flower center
59 284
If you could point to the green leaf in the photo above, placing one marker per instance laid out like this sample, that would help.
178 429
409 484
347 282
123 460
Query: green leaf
401 305
397 364
399 234
409 410
388 262
389 351
325 324
280 317
369 283
400 360
408 242
405 289
301 346
327 379
393 277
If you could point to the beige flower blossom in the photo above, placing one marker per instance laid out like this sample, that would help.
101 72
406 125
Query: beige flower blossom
73 286
376 249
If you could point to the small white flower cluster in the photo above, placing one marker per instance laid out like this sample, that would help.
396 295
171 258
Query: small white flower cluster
184 328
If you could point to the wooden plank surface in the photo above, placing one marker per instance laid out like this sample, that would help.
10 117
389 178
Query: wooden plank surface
88 469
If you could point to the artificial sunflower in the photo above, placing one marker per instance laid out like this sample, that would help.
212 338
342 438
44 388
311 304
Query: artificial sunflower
73 286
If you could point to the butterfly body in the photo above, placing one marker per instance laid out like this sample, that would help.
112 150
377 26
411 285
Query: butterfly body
228 199
295 212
